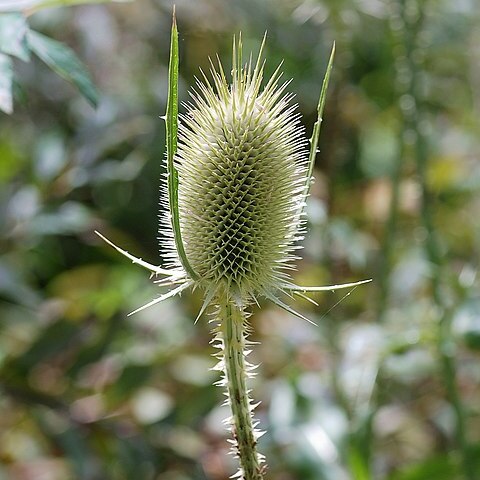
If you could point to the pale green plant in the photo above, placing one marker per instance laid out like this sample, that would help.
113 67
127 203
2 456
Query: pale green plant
237 186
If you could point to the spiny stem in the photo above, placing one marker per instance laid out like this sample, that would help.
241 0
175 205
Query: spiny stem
233 333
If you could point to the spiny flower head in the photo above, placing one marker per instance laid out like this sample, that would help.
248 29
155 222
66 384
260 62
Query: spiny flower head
237 184
241 161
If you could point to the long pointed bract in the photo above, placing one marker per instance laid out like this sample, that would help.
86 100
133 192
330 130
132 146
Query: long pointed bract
286 307
325 288
206 302
316 128
172 130
169 294
153 268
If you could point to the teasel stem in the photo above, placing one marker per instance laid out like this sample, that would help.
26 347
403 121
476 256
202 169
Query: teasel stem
232 331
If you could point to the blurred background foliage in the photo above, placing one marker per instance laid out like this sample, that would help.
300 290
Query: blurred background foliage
386 387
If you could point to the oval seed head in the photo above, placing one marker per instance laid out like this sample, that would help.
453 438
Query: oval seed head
241 162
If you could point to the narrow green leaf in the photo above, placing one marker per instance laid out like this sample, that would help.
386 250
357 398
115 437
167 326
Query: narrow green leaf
172 130
6 81
62 60
318 123
13 31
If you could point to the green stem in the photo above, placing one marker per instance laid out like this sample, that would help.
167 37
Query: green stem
233 330
401 48
389 235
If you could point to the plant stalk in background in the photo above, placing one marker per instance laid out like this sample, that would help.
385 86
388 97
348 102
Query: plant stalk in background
238 179
408 17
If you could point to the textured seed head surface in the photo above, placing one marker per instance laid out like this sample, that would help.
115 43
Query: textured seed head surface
241 162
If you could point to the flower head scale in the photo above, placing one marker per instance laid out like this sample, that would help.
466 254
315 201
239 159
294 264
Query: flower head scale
237 185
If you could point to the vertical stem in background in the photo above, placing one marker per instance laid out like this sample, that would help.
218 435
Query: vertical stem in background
232 334
412 13
389 237
401 48
406 21
446 346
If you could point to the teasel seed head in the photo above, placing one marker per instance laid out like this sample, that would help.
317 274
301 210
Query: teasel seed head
237 181
241 162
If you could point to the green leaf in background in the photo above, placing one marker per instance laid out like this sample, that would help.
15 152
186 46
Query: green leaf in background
6 79
32 6
13 40
62 60
438 467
